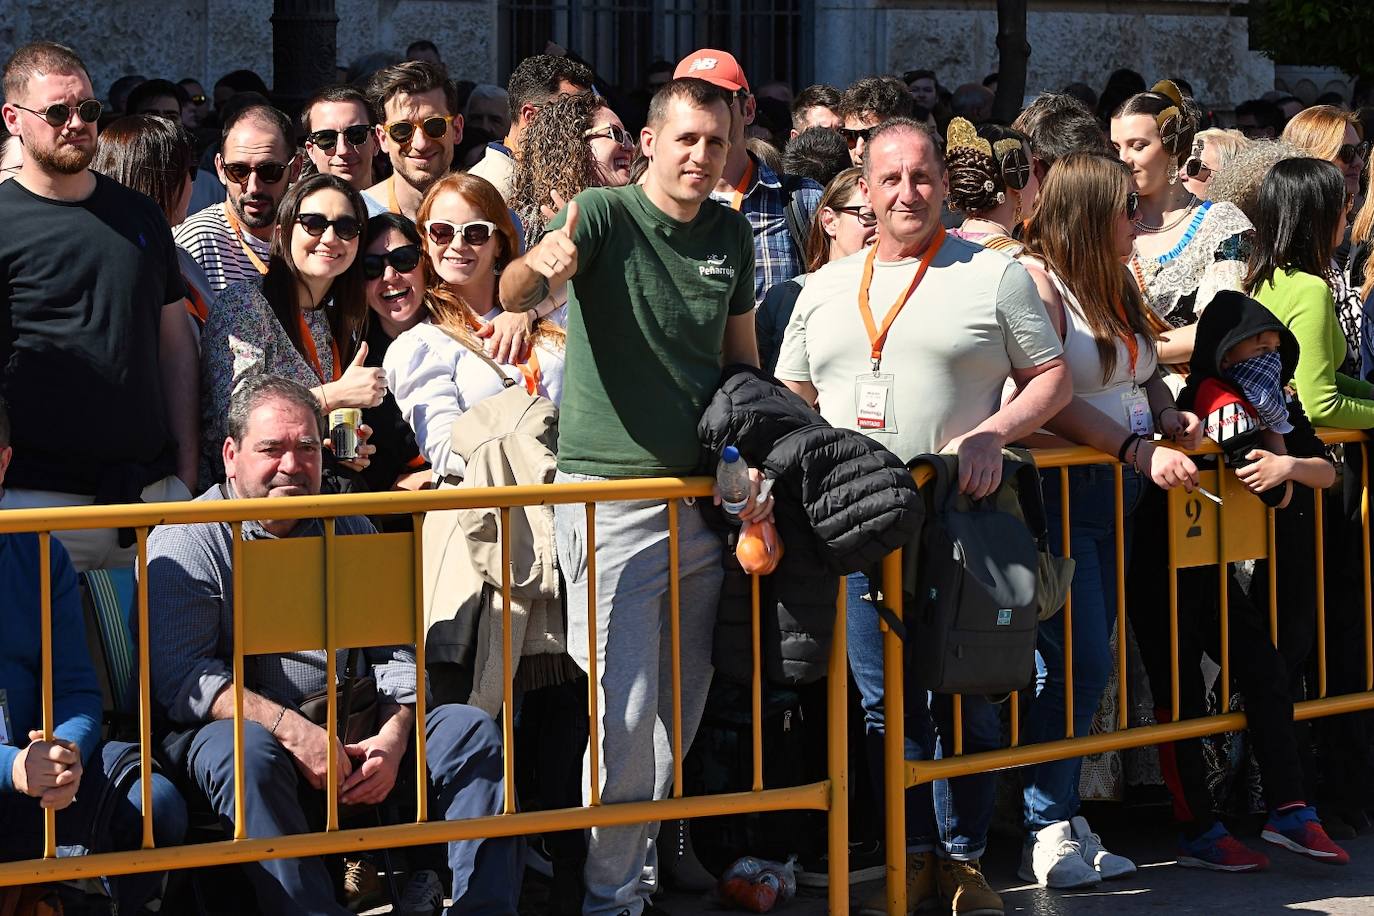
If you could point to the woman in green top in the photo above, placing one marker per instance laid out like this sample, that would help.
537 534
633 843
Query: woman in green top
1300 220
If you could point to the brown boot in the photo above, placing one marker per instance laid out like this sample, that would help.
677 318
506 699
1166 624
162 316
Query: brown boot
921 893
968 893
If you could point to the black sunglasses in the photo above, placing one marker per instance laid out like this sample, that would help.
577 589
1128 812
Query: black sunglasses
345 227
476 233
60 113
614 132
268 172
852 136
327 139
865 215
1194 167
404 131
1348 152
1132 204
403 260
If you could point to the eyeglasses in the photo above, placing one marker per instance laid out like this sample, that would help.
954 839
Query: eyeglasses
326 140
852 136
476 233
865 215
614 132
1194 168
403 260
345 227
199 99
403 132
1349 151
59 114
267 172
1132 204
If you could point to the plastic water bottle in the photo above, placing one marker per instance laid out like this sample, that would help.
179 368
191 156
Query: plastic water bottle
732 479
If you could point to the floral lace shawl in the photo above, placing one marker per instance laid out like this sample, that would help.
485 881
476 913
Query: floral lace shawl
1210 257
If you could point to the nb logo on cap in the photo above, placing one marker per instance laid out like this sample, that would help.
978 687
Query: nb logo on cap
703 63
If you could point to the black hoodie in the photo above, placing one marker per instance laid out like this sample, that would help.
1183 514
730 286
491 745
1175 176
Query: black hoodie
1231 318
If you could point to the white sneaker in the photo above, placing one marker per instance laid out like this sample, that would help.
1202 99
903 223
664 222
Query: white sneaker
423 895
1056 860
1107 864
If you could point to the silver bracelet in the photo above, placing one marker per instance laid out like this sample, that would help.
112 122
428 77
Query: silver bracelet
281 711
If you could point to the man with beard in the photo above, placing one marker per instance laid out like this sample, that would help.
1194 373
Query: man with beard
420 126
99 363
256 163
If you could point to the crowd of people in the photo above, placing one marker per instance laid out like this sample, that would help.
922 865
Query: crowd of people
199 281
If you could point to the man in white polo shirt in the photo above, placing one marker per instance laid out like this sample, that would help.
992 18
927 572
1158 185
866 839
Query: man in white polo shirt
911 342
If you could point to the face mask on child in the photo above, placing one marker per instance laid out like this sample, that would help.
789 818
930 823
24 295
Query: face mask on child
1259 378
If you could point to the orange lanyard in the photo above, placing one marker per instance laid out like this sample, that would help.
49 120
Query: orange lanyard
877 337
737 200
530 370
312 356
195 305
238 234
392 203
1129 339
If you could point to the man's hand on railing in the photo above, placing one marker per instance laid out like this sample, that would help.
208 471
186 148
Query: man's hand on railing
980 462
49 771
308 744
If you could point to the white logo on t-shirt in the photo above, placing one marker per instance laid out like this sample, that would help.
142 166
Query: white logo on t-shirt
715 267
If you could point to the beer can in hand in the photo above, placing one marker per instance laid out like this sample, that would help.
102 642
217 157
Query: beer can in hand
343 431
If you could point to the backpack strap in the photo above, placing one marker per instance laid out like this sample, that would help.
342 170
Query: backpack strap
797 227
1021 464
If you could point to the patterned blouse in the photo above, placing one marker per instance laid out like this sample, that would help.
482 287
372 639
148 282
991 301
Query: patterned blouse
242 336
1210 257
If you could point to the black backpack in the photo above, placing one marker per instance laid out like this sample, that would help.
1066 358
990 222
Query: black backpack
798 226
974 581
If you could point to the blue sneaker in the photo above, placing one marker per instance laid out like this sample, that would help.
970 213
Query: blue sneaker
1217 850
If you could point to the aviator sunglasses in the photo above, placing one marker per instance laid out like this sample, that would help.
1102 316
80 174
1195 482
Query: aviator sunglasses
476 233
60 113
345 227
327 139
404 131
403 260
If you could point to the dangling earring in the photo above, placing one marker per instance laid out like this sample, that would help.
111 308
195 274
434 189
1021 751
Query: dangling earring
1173 176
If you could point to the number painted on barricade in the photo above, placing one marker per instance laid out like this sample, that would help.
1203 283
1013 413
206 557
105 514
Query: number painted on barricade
1197 522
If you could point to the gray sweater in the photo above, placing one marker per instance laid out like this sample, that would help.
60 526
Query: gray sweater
190 617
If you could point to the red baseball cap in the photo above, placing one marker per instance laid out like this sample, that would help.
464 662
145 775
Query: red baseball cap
718 67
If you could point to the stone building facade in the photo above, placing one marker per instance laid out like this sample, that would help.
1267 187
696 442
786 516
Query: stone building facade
801 41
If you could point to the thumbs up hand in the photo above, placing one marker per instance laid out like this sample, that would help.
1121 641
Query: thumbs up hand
359 386
555 257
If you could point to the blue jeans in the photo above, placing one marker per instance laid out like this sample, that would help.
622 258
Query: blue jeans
957 812
1051 789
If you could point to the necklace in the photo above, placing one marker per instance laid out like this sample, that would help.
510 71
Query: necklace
1003 230
1182 215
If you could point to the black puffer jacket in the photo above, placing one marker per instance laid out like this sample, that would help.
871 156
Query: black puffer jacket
843 502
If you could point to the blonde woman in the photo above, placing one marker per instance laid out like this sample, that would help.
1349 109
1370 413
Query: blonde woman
1213 150
1327 132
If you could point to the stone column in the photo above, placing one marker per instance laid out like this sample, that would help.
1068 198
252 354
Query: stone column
304 47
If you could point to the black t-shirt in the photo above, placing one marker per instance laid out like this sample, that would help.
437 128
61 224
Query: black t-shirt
82 287
397 452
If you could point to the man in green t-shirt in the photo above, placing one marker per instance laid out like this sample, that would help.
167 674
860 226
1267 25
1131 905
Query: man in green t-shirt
660 294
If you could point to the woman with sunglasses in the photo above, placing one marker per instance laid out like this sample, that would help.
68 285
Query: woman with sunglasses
573 143
468 239
1186 249
1080 236
844 224
991 182
1212 150
395 284
303 320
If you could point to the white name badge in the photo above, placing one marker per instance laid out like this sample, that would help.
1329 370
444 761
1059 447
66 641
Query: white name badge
873 402
1136 407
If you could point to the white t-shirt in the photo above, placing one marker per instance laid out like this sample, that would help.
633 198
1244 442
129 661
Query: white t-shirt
974 318
435 378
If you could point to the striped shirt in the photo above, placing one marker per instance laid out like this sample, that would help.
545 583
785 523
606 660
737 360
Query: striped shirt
211 243
191 625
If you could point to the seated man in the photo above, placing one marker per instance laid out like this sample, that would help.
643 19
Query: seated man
71 773
273 449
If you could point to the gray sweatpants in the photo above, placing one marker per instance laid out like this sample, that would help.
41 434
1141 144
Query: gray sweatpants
634 661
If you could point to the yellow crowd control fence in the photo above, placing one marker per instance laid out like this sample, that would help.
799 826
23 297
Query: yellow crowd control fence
366 590
362 590
1200 533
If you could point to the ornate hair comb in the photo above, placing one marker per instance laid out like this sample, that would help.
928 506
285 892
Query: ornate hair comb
962 135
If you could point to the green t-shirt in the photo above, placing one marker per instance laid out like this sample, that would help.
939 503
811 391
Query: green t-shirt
646 321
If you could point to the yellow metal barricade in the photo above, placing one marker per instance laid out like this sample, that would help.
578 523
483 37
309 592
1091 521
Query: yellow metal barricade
366 590
1200 533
